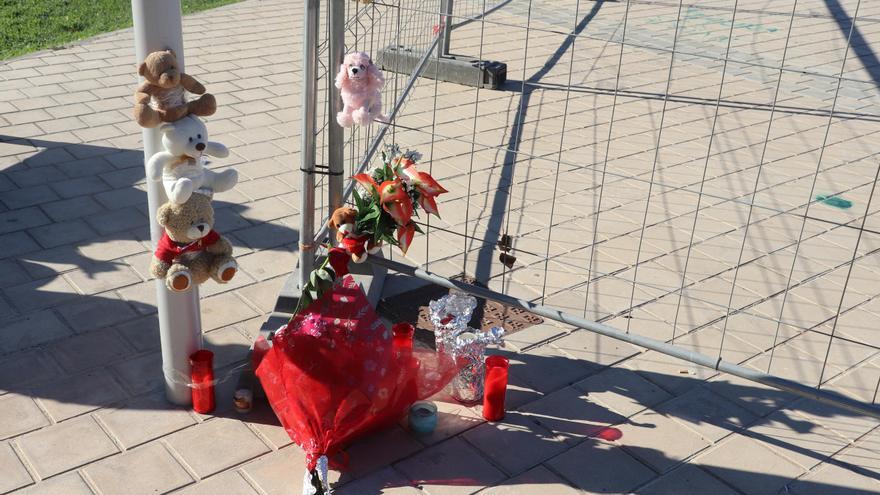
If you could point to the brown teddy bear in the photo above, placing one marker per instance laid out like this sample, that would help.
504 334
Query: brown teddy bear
161 98
190 251
344 221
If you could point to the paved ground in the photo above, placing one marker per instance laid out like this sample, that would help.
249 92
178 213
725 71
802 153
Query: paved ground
660 243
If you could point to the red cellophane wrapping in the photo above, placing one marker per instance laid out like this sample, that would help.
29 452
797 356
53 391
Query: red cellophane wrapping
331 374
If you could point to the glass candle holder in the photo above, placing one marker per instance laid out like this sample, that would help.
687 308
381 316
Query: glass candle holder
423 417
495 388
402 335
202 377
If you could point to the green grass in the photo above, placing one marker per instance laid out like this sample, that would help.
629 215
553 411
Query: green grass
31 25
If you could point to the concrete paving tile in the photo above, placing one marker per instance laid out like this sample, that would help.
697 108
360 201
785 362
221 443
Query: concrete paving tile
647 437
835 480
112 247
25 218
215 445
535 481
451 467
851 426
65 446
377 450
40 368
599 349
17 243
142 296
571 415
452 419
277 472
11 274
622 390
547 369
599 467
101 277
710 415
19 414
515 443
224 309
141 333
673 375
228 483
386 481
93 312
749 466
12 472
66 484
75 395
686 479
40 294
145 470
61 233
117 221
80 186
67 209
92 349
31 330
264 265
28 196
141 374
144 419
796 438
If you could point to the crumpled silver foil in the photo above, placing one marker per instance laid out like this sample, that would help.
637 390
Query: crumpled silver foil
322 469
450 316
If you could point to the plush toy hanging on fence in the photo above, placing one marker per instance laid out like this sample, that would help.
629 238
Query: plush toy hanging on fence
359 82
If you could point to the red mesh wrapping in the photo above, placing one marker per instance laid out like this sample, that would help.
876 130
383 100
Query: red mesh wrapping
331 375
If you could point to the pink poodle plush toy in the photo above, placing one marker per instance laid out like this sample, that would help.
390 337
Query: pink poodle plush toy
359 82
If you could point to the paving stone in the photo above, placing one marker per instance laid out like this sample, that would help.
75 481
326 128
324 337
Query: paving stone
796 438
65 446
262 295
75 395
594 348
94 312
267 264
12 472
227 483
112 247
647 437
121 198
571 415
547 369
81 186
599 467
710 415
19 414
755 397
145 470
277 472
268 235
40 294
224 309
117 221
31 330
66 484
144 419
452 419
850 426
530 336
686 479
61 233
387 481
142 296
515 443
538 480
68 209
835 480
89 350
20 369
199 446
673 375
451 467
141 374
622 390
749 466
25 218
12 274
141 333
228 345
101 277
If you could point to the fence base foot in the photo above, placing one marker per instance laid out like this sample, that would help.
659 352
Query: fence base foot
458 69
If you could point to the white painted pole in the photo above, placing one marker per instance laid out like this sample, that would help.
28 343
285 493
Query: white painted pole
158 26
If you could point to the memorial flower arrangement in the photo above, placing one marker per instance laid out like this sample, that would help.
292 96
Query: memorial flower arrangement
395 192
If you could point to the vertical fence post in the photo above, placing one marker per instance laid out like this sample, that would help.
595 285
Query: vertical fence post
335 132
446 26
158 26
307 151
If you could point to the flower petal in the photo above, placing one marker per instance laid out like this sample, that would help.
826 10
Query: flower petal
391 191
368 183
405 235
424 182
400 211
429 205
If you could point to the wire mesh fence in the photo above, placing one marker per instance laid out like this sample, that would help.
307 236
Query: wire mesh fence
701 174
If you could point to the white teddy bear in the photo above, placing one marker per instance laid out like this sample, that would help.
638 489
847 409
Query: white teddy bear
180 167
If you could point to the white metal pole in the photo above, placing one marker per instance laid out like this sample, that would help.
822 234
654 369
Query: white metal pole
307 150
158 26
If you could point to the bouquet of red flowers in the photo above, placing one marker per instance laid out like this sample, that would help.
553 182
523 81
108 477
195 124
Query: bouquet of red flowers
396 190
331 375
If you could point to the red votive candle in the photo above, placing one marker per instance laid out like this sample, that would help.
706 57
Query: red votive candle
202 375
402 335
496 387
